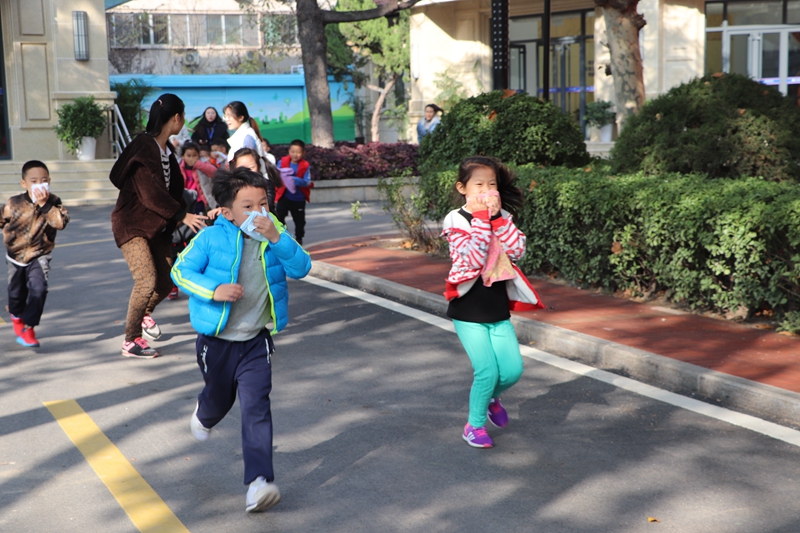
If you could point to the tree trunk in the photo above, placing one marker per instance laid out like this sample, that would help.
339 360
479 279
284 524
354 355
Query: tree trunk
622 31
376 113
311 34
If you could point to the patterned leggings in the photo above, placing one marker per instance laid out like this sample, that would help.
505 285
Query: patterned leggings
149 262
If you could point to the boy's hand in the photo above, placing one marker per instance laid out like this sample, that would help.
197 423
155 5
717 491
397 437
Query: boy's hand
266 228
228 292
40 196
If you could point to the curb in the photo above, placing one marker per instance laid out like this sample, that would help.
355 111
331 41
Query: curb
765 401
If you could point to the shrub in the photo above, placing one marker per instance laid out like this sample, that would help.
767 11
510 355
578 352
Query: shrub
349 160
518 130
82 118
711 244
719 125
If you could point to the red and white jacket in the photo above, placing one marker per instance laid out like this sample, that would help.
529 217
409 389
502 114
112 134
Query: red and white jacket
469 244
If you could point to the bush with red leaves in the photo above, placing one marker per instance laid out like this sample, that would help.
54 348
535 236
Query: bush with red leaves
348 160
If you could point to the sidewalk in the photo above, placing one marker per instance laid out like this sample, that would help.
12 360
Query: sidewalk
742 351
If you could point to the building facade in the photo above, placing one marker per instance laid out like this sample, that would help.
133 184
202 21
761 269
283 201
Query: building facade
683 39
40 43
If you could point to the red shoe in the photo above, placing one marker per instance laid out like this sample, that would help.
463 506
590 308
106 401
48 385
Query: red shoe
28 338
18 325
173 294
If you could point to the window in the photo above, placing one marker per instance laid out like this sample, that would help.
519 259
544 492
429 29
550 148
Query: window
214 33
134 29
755 13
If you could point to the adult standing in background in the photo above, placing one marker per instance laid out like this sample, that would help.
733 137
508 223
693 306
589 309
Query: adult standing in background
209 127
427 123
149 207
246 134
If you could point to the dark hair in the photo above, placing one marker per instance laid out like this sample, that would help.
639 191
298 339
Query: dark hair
298 142
242 152
273 174
240 110
436 108
33 163
219 142
266 141
203 148
189 145
203 122
163 109
510 195
227 184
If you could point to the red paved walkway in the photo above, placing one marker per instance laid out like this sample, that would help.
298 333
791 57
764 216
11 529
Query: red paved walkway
740 350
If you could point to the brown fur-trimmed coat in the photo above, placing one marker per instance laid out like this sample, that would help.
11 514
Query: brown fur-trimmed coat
29 231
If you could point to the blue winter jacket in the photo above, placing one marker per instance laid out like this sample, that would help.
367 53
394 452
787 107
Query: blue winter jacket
212 258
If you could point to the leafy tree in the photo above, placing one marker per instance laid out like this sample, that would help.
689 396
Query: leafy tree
385 42
311 22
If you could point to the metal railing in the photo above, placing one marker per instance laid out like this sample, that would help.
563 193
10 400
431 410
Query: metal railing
118 131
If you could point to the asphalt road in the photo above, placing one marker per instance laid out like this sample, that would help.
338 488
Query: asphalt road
368 406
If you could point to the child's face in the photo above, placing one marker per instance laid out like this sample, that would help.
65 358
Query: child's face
296 153
205 154
219 148
247 161
190 157
247 199
265 146
34 176
482 180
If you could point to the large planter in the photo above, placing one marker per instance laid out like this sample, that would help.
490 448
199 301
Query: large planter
88 149
606 132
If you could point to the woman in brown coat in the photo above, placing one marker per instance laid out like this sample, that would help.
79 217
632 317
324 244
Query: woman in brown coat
149 207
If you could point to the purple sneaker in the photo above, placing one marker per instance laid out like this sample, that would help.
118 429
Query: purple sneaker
497 413
477 437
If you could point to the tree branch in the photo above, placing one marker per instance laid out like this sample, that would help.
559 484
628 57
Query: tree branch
374 88
390 8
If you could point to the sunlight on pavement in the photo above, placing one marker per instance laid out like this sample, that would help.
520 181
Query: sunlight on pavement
144 507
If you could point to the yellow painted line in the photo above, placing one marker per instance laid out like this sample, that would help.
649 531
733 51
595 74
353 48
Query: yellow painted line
83 242
144 507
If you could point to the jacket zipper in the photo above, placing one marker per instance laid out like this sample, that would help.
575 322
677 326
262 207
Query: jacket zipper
269 290
233 280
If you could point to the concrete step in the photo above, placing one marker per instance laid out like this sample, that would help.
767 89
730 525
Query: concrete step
75 182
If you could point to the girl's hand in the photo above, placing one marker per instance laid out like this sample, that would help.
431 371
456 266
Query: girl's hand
214 213
494 205
266 228
196 222
476 203
228 292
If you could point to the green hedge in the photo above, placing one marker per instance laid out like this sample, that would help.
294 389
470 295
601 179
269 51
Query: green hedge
711 244
518 130
721 126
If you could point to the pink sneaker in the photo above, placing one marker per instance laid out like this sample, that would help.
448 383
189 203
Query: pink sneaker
150 329
138 348
497 413
477 437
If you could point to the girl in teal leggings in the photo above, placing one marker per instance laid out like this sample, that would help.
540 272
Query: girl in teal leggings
484 285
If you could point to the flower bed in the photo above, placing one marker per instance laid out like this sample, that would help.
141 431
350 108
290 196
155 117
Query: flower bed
348 160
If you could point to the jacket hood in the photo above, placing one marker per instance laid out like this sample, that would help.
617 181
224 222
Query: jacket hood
143 150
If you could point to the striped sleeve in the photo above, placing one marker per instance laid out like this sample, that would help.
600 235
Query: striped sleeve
469 249
511 238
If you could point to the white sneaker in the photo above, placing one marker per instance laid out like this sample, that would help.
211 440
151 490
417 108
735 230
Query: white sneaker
261 495
150 329
199 431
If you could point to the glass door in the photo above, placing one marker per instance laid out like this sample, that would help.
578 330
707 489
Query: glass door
517 71
567 75
768 54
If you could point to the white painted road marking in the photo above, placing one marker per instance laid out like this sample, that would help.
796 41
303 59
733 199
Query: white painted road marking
752 423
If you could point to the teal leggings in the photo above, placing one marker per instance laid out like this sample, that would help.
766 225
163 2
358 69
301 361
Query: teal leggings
496 361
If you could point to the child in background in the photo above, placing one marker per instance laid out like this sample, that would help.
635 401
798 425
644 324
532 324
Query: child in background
29 223
219 152
190 165
205 154
235 274
484 285
295 202
267 149
248 158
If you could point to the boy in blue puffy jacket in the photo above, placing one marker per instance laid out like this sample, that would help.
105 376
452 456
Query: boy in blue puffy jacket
235 275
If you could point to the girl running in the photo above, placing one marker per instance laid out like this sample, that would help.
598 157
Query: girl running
484 285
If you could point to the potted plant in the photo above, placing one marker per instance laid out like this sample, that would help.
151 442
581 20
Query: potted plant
600 114
79 125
